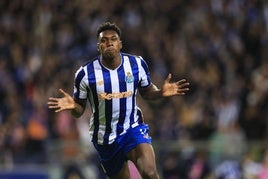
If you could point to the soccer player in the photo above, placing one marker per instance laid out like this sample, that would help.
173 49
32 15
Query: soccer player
110 83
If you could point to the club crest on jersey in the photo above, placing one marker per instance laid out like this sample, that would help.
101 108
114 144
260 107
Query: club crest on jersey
129 78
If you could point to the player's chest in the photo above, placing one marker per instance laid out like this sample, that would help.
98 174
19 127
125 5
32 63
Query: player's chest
115 80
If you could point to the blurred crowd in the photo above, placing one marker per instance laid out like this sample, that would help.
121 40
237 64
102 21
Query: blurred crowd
219 46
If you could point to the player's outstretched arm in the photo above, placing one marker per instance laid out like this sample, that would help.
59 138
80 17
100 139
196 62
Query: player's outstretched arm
168 89
66 103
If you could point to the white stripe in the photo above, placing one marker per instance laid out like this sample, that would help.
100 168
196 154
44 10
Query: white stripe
116 104
100 89
92 104
142 72
85 80
130 87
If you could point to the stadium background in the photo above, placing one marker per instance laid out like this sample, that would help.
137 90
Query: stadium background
218 129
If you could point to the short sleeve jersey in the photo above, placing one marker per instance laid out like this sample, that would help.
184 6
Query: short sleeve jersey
112 95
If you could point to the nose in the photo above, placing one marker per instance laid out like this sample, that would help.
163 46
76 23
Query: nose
109 43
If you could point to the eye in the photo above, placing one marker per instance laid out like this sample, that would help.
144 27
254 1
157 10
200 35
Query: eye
103 40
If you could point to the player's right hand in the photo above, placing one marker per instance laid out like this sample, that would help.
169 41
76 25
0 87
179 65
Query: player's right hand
60 104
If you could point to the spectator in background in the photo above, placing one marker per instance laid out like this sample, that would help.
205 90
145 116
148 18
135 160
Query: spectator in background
264 166
37 135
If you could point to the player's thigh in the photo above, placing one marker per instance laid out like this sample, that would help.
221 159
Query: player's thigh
143 156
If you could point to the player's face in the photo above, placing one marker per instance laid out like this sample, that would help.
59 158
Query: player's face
109 44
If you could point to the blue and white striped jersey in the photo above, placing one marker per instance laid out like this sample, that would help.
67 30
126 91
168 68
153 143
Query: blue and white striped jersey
112 95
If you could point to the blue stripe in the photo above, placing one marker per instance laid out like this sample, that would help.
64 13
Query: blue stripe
78 80
92 85
135 72
108 105
123 101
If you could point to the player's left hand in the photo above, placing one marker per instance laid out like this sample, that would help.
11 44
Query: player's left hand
177 88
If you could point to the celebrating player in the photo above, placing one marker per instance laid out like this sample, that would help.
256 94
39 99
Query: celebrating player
110 83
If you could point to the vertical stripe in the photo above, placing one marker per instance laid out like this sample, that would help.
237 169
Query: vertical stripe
108 104
123 101
130 87
92 85
135 72
78 80
115 103
99 82
145 75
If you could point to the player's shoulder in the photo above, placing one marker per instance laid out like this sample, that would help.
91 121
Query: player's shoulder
132 56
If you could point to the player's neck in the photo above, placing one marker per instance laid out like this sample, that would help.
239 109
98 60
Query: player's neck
111 63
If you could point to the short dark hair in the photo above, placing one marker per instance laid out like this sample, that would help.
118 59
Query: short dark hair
108 26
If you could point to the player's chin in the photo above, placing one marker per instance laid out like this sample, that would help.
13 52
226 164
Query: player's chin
109 54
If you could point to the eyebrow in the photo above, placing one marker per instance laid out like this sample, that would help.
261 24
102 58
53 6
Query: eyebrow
114 35
106 37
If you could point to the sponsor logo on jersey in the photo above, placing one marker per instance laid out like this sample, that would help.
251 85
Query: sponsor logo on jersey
109 96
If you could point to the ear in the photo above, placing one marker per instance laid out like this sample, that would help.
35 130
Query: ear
121 44
98 46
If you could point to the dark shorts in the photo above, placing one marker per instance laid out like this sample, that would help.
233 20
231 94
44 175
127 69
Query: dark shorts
113 156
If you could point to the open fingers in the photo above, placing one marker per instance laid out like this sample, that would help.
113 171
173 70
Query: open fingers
183 86
183 90
182 83
53 106
59 110
53 103
51 99
63 92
